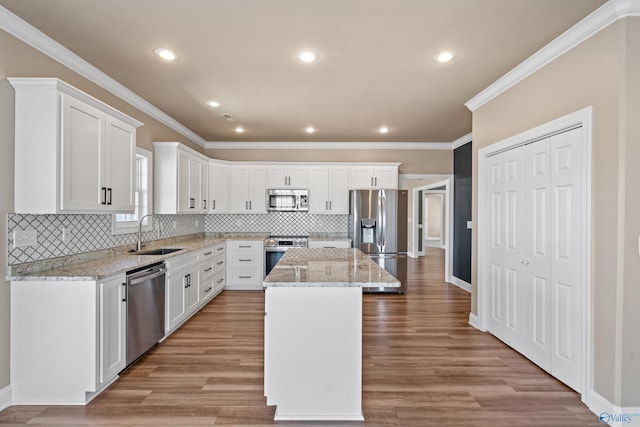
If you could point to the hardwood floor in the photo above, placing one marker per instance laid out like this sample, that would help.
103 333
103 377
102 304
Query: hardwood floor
423 365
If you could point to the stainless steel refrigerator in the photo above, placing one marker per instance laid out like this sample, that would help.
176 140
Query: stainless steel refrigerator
378 227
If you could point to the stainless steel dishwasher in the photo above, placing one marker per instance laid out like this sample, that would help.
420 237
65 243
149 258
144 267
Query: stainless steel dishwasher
145 309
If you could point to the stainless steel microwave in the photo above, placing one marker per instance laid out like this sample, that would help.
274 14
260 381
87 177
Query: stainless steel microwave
285 200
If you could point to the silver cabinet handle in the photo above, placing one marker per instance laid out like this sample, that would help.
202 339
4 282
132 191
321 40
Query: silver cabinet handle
330 205
214 205
372 181
110 192
245 260
245 277
208 269
208 253
104 196
204 204
220 263
208 289
220 281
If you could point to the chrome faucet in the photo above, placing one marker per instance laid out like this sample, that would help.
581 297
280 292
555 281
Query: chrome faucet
140 232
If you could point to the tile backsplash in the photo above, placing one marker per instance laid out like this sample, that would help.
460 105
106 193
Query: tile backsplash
93 232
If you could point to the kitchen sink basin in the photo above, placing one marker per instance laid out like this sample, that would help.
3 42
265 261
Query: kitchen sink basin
160 251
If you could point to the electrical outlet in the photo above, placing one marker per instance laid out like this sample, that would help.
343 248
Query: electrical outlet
66 235
175 225
22 238
238 223
196 223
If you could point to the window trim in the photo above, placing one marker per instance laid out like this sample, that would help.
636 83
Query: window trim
132 226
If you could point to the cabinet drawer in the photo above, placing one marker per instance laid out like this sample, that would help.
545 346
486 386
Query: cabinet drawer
218 249
329 244
219 281
207 269
245 260
245 276
207 288
219 263
245 246
207 253
181 261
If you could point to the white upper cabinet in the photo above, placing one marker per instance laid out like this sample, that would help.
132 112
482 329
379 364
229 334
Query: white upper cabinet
287 176
178 178
328 190
218 187
247 189
73 153
374 177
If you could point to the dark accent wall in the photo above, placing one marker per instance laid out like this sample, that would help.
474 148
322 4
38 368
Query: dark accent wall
462 212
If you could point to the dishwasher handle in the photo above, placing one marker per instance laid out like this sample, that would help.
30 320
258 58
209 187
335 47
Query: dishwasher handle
146 277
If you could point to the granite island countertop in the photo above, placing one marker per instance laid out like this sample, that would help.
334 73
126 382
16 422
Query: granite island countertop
89 267
328 267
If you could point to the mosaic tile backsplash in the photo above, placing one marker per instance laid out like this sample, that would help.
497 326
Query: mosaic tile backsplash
93 232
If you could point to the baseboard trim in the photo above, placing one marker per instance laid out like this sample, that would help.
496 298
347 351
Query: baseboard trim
5 397
461 283
611 414
475 322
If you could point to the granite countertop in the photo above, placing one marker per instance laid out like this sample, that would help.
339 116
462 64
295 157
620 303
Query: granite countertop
112 262
328 267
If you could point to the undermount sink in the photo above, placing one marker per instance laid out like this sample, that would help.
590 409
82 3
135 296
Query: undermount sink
161 251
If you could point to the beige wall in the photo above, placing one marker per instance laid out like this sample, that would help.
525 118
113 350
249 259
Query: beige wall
413 161
590 74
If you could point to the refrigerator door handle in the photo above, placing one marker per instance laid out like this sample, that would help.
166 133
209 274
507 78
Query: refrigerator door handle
383 214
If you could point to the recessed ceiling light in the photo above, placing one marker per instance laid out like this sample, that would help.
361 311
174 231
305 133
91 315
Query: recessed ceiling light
309 129
308 56
239 129
213 104
166 54
445 56
383 129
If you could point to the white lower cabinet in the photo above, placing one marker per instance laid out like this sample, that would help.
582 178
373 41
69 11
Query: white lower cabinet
245 269
212 272
113 327
182 289
67 339
340 243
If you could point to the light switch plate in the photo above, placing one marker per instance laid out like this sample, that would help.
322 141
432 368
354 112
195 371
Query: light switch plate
469 225
23 238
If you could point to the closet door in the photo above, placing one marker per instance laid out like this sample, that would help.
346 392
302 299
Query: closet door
536 256
567 243
495 255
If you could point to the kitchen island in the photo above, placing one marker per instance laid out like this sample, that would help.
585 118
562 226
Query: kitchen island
313 332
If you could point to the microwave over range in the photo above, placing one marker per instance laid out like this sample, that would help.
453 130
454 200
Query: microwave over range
287 200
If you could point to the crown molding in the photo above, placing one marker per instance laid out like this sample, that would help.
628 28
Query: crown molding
599 19
461 141
286 145
27 33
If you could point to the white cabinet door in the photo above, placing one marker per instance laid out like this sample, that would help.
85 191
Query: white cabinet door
219 188
184 173
386 177
239 189
328 190
373 177
247 188
192 293
176 297
112 341
283 176
319 190
257 190
83 178
121 155
196 197
206 181
339 190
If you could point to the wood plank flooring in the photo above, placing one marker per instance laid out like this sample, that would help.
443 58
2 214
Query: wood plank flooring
423 365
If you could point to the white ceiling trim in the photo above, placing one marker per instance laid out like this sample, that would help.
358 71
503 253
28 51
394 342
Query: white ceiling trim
268 145
592 24
24 31
461 141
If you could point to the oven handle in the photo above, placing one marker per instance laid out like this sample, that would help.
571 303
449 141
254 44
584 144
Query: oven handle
275 249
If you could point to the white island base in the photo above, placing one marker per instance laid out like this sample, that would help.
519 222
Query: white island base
313 352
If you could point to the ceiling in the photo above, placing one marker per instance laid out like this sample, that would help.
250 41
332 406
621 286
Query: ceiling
375 69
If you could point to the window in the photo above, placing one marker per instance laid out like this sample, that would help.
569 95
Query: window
128 223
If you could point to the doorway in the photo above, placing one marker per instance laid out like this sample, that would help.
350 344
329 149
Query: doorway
444 189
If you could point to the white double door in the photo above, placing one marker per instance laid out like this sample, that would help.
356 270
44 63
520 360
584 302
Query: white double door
535 272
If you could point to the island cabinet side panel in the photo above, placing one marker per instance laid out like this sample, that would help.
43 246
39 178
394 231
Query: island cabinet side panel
53 341
313 352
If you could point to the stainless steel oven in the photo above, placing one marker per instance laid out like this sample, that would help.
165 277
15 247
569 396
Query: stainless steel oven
276 246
